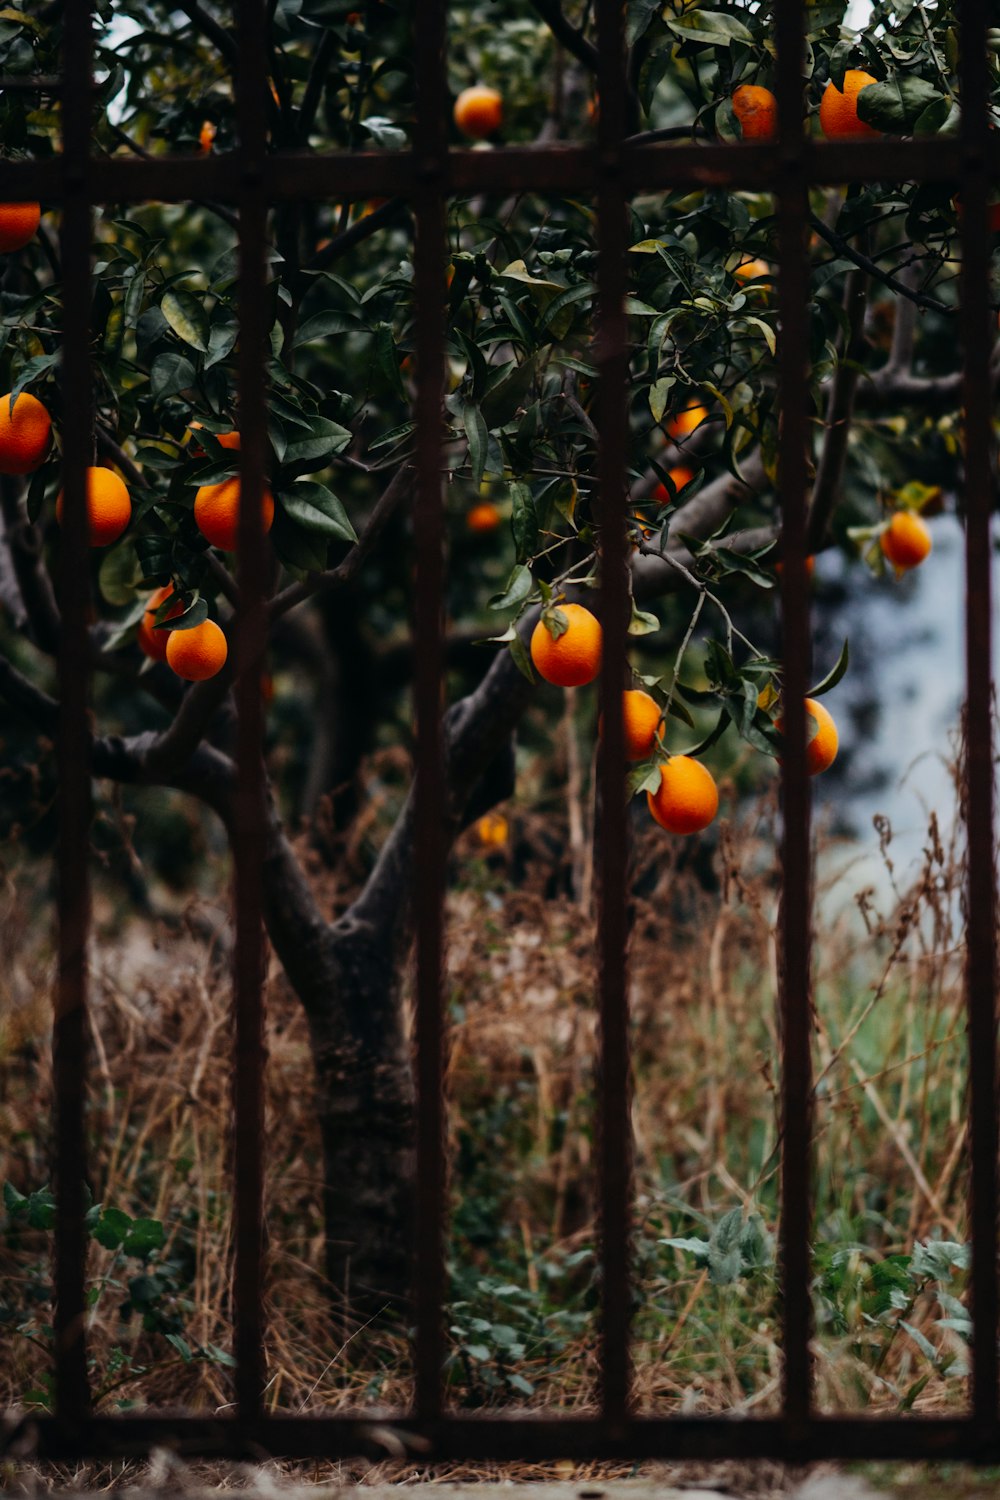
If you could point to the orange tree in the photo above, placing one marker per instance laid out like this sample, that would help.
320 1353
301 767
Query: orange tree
520 446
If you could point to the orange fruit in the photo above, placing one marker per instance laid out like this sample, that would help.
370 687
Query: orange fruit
575 658
198 653
206 136
492 830
838 111
483 517
756 109
24 434
687 798
750 269
642 722
224 439
153 641
217 511
109 507
821 750
906 540
779 567
684 422
18 224
681 476
478 111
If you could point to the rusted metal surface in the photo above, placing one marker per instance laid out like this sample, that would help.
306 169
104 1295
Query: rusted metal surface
978 328
796 908
248 638
612 361
615 168
430 147
70 1031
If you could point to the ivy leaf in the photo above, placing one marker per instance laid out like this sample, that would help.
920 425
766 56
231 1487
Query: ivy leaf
145 1236
111 1228
317 509
188 319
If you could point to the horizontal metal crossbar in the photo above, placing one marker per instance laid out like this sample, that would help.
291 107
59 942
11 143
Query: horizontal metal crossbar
638 168
532 1438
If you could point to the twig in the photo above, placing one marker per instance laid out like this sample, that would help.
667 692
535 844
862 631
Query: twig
565 32
840 408
348 238
865 263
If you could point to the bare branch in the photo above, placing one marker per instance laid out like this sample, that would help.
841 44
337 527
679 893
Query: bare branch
565 32
844 248
358 232
345 572
840 408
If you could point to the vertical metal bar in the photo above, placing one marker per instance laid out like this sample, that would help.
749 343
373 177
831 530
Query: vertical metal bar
72 1397
977 340
430 143
612 459
794 1001
249 641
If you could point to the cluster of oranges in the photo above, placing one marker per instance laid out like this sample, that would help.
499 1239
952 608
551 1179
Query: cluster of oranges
687 798
756 108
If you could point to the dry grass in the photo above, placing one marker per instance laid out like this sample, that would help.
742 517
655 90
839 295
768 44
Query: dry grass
890 1164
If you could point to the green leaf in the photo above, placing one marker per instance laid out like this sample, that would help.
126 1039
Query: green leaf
642 623
523 521
181 1345
170 374
120 574
325 439
896 104
145 1236
644 778
519 586
187 317
834 675
317 509
713 27
111 1228
32 372
659 393
323 324
522 660
195 614
641 14
478 437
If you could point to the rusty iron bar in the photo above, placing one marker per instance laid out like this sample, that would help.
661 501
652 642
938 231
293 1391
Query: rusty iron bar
532 1438
556 168
430 259
248 640
978 329
612 353
73 742
795 916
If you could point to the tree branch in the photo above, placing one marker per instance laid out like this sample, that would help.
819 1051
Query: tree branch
565 32
314 84
346 571
844 248
839 410
365 227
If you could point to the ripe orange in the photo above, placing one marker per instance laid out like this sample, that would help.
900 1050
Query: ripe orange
575 658
483 517
756 109
643 724
492 829
18 224
206 136
198 653
838 111
687 799
750 269
821 750
224 439
24 434
109 507
217 511
153 641
684 422
478 111
906 541
681 476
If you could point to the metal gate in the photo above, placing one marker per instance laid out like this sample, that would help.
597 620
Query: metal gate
251 178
